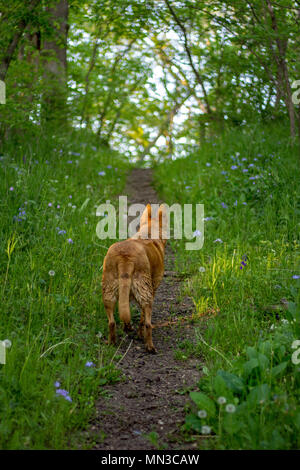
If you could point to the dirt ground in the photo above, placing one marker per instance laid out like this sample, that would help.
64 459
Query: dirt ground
150 397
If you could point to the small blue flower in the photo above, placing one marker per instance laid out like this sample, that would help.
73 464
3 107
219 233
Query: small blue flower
296 276
63 393
89 364
234 167
101 173
197 233
224 205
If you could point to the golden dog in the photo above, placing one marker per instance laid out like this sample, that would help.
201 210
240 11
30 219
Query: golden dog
133 268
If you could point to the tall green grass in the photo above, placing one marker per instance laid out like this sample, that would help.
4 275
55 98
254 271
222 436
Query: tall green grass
247 273
50 271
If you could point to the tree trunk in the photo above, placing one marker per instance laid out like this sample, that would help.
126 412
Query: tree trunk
54 54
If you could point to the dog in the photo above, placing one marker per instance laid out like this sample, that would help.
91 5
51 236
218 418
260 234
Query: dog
133 269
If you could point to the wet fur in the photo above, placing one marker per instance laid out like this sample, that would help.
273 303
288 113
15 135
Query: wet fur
133 269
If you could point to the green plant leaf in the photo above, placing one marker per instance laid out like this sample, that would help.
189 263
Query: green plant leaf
259 394
233 382
203 402
278 369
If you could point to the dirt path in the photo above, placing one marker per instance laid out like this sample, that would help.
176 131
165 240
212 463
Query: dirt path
147 400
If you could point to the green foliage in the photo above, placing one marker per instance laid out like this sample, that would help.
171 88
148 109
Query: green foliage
51 310
248 264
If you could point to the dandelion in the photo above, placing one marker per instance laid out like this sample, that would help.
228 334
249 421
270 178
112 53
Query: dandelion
202 414
205 430
51 273
89 364
202 269
69 240
222 400
7 343
230 408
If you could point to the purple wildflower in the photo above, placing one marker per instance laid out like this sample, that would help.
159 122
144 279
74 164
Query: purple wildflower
234 167
63 393
296 276
224 205
69 240
101 173
89 364
11 188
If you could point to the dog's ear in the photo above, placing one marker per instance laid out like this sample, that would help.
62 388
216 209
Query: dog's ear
146 216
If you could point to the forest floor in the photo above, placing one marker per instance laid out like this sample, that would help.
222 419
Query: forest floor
146 408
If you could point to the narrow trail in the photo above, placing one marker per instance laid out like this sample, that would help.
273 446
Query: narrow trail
150 397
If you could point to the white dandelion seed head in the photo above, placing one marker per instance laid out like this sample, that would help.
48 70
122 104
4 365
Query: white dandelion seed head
205 430
222 400
230 408
202 414
202 269
51 273
7 343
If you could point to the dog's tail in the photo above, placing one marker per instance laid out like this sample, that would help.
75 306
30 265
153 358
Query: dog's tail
125 269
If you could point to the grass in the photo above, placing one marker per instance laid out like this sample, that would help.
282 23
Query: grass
249 184
51 309
50 271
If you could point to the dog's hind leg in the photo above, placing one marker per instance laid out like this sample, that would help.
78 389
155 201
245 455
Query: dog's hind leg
109 308
147 312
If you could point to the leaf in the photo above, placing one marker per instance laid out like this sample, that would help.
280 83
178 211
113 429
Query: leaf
233 382
250 365
278 369
259 394
193 422
203 402
219 386
84 204
232 423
